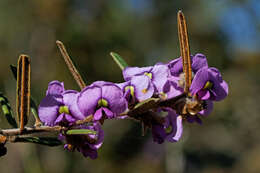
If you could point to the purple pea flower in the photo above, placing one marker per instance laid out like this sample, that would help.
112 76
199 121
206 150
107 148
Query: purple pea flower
86 144
59 106
176 70
143 82
102 100
209 85
170 130
205 112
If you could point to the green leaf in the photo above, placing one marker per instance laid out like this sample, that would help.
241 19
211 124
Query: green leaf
33 104
119 60
14 71
81 132
49 141
143 106
7 110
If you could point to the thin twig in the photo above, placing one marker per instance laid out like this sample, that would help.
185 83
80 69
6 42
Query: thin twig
31 130
70 65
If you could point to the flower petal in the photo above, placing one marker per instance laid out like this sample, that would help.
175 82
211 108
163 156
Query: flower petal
178 129
115 97
199 61
160 76
55 88
98 114
199 80
88 99
64 119
220 88
175 66
158 133
70 100
108 113
49 109
129 72
143 87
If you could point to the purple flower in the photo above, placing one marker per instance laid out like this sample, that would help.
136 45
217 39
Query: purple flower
86 144
146 81
209 85
170 130
176 69
59 106
205 112
102 99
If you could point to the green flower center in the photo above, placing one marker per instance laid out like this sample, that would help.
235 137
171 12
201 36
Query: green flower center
102 103
208 85
64 109
168 129
163 95
131 88
150 75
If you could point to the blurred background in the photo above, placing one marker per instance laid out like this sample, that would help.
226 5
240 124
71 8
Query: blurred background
143 32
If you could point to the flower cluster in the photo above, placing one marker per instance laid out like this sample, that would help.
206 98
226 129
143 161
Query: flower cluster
106 100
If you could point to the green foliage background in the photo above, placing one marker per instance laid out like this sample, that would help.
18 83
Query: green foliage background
143 32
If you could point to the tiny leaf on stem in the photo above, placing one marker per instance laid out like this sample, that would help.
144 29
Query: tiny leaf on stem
81 132
119 60
6 108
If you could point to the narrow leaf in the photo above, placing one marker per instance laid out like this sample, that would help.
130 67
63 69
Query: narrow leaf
33 104
70 65
81 132
119 60
185 50
23 91
49 141
7 110
143 106
14 71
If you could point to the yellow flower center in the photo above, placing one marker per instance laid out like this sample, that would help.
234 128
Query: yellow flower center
208 85
131 89
64 109
150 75
168 129
102 103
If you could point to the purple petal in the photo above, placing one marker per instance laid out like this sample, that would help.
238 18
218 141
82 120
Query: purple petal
98 114
204 94
200 78
108 113
208 110
199 61
100 138
88 99
64 119
129 72
55 88
220 90
160 76
175 66
86 151
171 89
49 109
143 87
115 97
101 83
70 100
158 133
179 129
175 122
